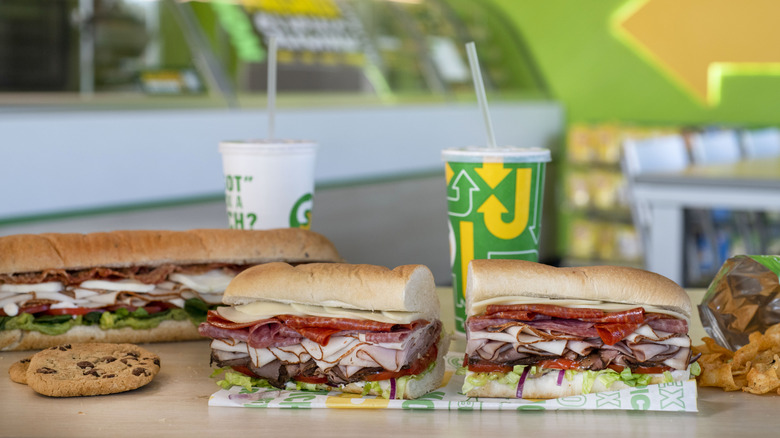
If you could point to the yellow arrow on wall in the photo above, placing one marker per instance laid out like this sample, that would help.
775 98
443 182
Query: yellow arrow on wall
697 42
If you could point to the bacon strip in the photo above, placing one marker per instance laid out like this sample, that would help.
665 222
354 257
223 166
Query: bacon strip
144 274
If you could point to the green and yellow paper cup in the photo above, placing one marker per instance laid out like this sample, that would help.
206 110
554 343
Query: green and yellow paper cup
494 199
268 184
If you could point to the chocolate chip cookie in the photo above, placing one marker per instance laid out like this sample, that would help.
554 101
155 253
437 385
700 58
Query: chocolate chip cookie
18 371
71 370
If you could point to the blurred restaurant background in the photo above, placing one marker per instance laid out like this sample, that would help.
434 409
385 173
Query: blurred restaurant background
111 112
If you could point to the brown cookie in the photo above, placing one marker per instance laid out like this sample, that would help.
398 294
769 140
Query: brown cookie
91 369
18 370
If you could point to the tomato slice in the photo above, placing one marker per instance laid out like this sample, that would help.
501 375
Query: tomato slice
310 379
559 364
415 367
643 370
71 311
243 369
652 370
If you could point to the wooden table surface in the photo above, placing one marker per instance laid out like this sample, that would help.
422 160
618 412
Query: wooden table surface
176 404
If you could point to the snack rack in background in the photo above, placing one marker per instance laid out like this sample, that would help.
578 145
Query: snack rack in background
596 226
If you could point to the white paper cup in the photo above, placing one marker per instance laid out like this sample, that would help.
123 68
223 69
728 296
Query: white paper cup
268 184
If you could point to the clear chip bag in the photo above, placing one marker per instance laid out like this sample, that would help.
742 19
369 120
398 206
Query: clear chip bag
743 297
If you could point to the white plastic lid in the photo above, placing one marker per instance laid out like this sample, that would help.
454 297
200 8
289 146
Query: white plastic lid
502 154
267 147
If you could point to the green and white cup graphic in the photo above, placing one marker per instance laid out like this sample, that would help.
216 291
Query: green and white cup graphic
494 204
268 184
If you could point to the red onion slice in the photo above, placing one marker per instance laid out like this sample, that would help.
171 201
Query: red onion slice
560 376
392 389
519 393
245 397
254 396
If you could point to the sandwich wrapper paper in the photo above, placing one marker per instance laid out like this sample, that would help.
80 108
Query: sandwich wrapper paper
672 397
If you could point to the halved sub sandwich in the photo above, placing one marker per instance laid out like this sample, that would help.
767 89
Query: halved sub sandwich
360 329
539 332
130 286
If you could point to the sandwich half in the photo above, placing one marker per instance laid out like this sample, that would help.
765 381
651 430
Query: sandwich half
360 329
130 286
540 332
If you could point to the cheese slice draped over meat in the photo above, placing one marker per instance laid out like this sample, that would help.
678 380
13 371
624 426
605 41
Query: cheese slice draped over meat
266 309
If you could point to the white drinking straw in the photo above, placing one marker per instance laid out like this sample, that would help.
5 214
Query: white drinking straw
479 87
271 86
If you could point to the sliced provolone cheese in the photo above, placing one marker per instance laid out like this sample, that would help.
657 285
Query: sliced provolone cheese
118 285
15 299
211 282
267 309
11 309
50 286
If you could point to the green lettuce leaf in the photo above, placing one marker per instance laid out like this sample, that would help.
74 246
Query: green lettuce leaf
140 318
606 376
47 324
194 309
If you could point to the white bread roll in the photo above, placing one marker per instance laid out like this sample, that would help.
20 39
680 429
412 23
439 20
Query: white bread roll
408 288
118 249
167 331
610 284
35 253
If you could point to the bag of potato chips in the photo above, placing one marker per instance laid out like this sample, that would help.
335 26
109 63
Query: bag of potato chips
744 297
741 313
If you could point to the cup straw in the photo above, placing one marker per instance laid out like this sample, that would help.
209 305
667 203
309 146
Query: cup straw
271 86
479 87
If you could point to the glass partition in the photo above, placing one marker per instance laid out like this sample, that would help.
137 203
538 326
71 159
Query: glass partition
213 53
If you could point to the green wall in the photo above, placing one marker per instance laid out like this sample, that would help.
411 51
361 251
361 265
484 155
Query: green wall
598 77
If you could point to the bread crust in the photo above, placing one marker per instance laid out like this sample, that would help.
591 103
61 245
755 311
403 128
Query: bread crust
546 386
407 288
169 330
117 249
614 284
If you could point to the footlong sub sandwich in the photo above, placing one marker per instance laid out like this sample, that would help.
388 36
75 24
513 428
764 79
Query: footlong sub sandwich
539 332
130 286
360 329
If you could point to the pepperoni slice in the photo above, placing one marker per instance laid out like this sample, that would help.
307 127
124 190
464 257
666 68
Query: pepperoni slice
528 312
338 324
531 310
317 334
613 333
